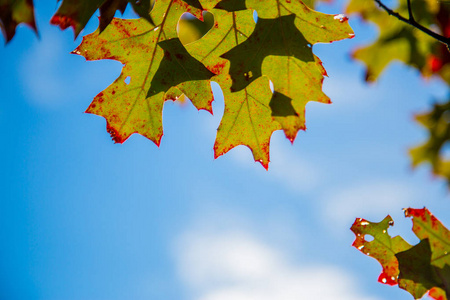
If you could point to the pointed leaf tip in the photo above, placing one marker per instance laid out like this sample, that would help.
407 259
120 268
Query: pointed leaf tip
63 22
115 135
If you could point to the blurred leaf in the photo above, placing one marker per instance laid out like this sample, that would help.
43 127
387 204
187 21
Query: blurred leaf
191 29
13 13
76 13
437 122
438 61
397 40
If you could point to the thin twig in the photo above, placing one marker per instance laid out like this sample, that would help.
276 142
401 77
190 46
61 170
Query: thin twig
412 22
411 17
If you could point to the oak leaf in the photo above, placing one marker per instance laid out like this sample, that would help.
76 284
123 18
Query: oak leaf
148 53
275 47
420 269
248 121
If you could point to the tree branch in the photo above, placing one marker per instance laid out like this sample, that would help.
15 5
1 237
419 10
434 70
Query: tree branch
411 17
411 21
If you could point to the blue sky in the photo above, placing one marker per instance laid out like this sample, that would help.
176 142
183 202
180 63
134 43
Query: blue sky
83 218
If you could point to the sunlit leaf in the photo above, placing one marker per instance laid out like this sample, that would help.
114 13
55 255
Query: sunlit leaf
248 121
150 56
235 52
420 269
383 247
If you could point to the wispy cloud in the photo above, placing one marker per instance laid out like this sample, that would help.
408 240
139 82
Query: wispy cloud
42 72
287 167
236 265
371 200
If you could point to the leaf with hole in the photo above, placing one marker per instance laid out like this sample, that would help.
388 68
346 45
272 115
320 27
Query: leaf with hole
420 269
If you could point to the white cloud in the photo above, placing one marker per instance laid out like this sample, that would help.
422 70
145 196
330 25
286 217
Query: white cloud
292 168
236 265
287 167
337 88
42 72
370 200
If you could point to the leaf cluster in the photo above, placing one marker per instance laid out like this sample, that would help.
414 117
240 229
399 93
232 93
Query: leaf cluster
400 41
245 56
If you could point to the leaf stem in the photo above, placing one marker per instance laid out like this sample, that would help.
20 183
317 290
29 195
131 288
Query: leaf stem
411 21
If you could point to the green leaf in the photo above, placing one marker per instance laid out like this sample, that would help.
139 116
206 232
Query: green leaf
315 26
397 40
76 13
148 54
13 13
177 68
296 82
417 269
277 37
191 29
230 29
427 226
247 119
248 113
437 124
284 42
287 58
383 247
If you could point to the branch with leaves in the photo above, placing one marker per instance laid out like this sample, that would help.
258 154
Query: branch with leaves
246 57
242 55
411 21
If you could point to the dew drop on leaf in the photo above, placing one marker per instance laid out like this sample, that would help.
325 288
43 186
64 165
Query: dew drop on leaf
341 18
